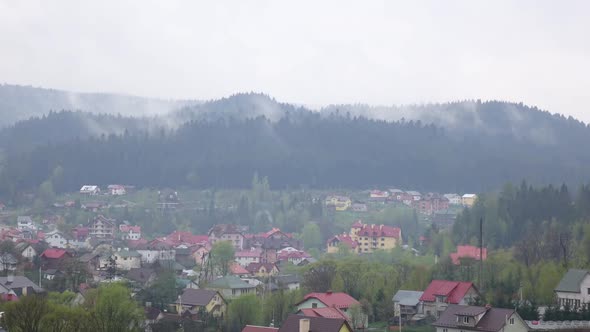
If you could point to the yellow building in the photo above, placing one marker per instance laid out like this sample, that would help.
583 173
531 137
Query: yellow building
196 299
375 237
340 203
468 199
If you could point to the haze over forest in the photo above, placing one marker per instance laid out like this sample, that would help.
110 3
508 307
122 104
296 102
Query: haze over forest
468 145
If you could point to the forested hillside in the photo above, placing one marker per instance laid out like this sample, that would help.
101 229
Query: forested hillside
467 146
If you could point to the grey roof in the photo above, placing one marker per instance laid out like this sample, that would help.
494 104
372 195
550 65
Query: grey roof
128 253
20 282
493 320
407 297
200 297
571 281
229 282
287 279
88 257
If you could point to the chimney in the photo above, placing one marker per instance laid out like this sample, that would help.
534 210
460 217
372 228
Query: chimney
488 306
329 292
304 325
10 277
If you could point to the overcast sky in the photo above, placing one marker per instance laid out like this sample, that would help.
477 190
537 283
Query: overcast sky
309 52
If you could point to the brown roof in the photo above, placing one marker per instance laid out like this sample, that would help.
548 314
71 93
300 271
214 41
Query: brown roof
200 297
316 324
493 319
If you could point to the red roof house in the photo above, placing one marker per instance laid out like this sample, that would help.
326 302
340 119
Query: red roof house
253 328
440 293
323 312
329 299
54 253
468 252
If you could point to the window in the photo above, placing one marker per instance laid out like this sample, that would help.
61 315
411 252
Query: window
465 319
445 330
588 291
512 321
314 305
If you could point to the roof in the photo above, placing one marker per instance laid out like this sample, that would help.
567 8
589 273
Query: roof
255 267
54 253
87 257
493 319
326 312
380 231
127 253
194 297
453 290
253 328
249 253
20 282
237 269
316 324
287 279
406 297
229 282
140 275
152 313
574 325
571 281
469 196
344 239
336 300
468 252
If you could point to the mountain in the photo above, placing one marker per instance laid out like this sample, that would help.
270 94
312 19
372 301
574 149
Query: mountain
22 102
466 146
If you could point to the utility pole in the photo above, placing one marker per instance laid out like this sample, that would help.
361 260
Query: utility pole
480 253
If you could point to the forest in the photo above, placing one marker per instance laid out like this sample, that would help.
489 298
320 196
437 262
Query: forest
295 148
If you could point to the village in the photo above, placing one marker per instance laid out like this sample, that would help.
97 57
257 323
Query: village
38 257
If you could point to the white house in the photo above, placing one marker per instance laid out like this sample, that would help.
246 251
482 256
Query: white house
246 257
25 223
416 196
454 199
117 190
127 259
26 250
130 232
55 239
90 190
574 289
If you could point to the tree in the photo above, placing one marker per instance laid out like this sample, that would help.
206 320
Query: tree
242 311
162 292
25 315
113 310
222 255
312 238
319 276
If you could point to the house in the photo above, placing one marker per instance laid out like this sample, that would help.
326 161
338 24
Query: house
378 195
89 190
129 232
56 239
414 195
326 312
375 237
90 261
337 240
93 206
469 252
454 199
340 301
54 258
339 203
197 299
246 257
468 199
8 262
457 318
407 304
294 257
25 223
156 250
26 250
239 271
573 289
440 293
102 227
288 282
142 276
80 233
254 328
271 243
168 200
262 270
431 203
298 323
231 287
231 233
116 190
127 259
360 207
20 285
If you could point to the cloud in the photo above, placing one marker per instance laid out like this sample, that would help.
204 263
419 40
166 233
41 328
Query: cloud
306 52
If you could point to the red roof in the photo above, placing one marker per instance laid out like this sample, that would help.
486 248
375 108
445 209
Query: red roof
379 231
293 255
54 253
335 300
127 228
324 312
136 243
249 253
178 237
253 328
237 269
345 239
454 290
255 267
468 252
357 224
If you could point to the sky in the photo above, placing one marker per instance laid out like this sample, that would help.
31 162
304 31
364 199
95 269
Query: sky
306 52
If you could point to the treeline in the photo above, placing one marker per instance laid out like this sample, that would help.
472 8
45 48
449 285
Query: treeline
301 148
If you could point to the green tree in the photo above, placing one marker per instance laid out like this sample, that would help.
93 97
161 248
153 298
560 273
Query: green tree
312 238
222 255
242 311
113 310
26 314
